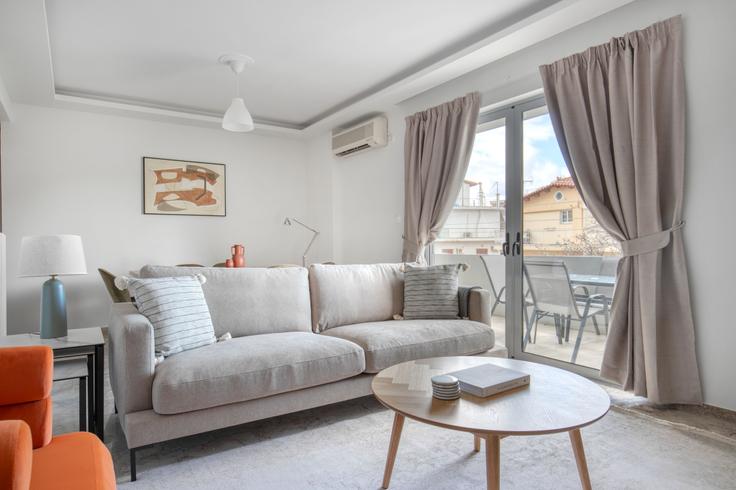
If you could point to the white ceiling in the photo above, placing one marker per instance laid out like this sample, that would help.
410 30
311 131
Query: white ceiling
312 57
319 63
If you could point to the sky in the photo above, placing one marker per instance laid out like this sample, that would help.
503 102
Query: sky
543 161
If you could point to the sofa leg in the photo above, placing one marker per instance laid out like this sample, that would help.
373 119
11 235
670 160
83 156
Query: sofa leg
133 476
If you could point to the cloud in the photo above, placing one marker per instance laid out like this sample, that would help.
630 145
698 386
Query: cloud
488 161
543 162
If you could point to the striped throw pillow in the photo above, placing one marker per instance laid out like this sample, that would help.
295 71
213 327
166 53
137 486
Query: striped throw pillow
176 308
431 292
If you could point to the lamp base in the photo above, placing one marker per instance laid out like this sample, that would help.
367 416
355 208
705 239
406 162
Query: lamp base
53 309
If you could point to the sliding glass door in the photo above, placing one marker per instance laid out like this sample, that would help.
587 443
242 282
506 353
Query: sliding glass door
567 261
520 222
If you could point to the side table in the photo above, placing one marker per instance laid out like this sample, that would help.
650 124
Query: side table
76 368
80 342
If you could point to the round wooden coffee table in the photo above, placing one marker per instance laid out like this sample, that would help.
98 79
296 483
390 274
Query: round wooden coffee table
554 401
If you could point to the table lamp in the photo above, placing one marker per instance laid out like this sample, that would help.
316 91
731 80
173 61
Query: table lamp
52 255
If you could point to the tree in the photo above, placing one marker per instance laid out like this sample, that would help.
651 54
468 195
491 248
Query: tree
593 241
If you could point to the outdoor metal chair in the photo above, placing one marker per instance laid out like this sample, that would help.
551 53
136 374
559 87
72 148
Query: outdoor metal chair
552 295
602 306
497 294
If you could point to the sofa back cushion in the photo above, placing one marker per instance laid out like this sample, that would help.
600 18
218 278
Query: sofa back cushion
26 375
347 294
250 301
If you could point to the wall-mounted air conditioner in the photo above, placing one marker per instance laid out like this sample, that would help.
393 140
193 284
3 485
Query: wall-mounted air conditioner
364 136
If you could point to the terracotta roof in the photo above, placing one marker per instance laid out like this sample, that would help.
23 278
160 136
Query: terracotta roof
560 183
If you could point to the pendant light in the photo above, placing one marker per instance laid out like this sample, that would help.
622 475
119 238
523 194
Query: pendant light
237 118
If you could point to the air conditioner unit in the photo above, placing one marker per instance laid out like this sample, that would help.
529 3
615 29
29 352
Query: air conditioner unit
364 136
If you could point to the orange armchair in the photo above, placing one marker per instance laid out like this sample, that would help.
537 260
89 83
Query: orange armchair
30 458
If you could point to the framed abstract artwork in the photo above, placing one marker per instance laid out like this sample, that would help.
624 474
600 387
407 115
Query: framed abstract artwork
182 187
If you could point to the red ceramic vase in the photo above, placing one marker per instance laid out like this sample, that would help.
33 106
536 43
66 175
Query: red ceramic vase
238 252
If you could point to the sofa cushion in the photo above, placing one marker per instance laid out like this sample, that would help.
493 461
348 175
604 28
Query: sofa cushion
176 308
251 367
347 294
250 301
431 292
392 342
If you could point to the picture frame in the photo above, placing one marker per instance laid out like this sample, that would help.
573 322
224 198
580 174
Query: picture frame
184 187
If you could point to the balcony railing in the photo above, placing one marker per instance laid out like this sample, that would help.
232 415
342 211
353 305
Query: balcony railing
478 203
459 233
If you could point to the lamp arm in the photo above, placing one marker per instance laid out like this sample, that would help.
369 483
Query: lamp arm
311 242
305 226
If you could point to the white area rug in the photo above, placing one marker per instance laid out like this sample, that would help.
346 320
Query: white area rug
344 447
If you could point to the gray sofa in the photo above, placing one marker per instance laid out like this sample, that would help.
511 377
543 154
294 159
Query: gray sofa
301 339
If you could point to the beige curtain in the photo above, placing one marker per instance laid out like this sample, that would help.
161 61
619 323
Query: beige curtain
618 111
437 148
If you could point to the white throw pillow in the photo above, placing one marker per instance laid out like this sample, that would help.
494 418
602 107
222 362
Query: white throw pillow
176 308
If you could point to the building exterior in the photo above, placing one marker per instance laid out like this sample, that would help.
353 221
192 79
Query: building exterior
475 225
557 222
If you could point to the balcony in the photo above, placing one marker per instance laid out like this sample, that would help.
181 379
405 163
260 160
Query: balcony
590 353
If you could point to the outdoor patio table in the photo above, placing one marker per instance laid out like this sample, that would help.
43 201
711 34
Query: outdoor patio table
592 280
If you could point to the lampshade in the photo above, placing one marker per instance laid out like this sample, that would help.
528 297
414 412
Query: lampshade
51 255
237 118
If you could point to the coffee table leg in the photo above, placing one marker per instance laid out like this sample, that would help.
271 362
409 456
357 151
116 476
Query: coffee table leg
493 462
577 447
393 447
476 443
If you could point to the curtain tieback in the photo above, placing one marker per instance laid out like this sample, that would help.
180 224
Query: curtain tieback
649 243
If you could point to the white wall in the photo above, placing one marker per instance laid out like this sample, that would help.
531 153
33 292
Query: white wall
366 195
80 173
319 213
368 189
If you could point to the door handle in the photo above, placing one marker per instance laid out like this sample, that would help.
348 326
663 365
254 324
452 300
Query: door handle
505 246
516 249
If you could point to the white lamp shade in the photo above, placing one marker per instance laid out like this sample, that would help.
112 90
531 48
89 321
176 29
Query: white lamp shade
237 118
51 255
